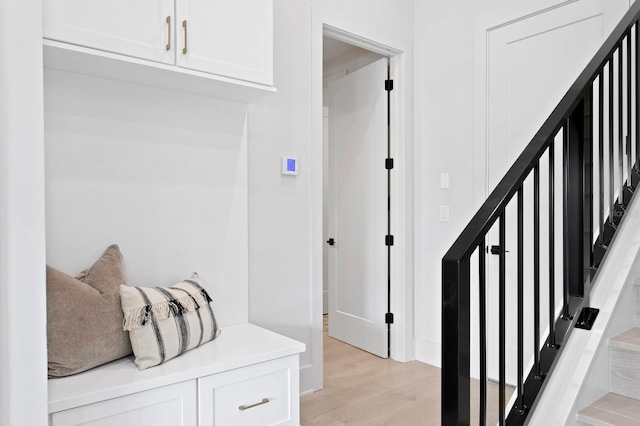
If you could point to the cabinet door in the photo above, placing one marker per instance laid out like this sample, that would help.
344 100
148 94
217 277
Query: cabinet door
173 405
228 38
258 395
134 28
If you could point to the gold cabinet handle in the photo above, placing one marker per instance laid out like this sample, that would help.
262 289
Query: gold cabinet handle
184 25
168 46
246 407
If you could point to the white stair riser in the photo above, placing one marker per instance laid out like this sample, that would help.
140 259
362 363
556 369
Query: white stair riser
637 303
625 372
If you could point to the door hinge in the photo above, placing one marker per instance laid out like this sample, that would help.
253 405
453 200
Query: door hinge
388 240
388 85
388 163
388 318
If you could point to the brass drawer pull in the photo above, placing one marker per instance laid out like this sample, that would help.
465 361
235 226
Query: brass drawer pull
168 46
184 25
246 407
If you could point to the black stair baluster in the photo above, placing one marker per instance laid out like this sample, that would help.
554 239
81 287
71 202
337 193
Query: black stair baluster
637 100
612 207
501 321
482 296
601 158
536 269
620 125
565 216
610 223
588 175
628 105
552 249
628 181
520 363
601 243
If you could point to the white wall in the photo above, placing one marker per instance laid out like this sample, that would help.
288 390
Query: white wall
444 136
160 173
285 213
450 109
23 348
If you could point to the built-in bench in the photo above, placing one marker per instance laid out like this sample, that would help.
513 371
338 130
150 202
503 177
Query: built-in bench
247 376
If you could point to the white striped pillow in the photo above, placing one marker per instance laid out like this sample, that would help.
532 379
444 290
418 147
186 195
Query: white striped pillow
164 322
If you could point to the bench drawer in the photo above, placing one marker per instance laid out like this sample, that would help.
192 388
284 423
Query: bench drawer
256 395
173 405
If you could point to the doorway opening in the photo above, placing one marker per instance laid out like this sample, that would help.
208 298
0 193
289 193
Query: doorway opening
401 300
357 173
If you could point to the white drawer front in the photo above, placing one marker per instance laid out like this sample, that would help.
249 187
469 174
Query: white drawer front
261 394
173 405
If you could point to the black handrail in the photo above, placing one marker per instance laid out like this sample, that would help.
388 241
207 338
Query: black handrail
573 116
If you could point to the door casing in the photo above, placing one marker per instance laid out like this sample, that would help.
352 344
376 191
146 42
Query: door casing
402 342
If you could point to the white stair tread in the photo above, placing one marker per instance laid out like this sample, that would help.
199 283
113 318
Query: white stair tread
629 340
612 410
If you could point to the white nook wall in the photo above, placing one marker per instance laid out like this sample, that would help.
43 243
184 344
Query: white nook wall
162 174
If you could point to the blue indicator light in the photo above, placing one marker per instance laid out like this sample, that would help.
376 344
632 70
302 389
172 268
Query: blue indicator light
291 165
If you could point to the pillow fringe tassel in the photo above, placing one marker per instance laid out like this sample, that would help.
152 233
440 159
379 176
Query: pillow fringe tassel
138 317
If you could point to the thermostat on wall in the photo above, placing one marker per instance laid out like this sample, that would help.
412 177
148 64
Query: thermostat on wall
289 166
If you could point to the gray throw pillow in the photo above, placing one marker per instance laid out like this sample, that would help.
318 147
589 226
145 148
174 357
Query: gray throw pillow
84 316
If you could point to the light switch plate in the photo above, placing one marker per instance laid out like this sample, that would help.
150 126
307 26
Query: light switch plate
444 180
444 213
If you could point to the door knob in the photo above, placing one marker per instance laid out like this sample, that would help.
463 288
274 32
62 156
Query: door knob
495 250
331 242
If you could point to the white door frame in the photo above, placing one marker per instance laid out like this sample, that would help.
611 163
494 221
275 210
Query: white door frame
402 344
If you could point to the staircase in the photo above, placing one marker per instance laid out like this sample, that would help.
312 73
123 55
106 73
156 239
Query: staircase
584 162
621 406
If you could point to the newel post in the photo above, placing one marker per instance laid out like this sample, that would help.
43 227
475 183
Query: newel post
455 342
578 195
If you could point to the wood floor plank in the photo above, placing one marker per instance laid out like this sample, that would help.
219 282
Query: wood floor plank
363 389
612 409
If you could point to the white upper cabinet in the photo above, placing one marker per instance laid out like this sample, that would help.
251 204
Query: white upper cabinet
230 39
133 28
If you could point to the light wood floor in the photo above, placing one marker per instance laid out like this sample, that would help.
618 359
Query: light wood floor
362 389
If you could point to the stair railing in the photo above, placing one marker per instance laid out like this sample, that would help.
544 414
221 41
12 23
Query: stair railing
591 159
